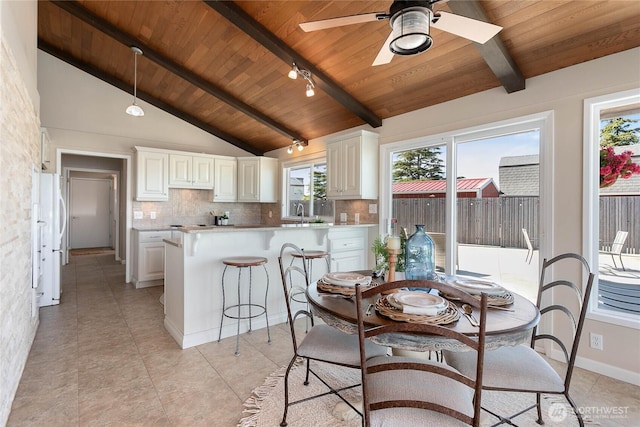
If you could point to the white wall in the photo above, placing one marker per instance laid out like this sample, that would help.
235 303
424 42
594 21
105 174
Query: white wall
563 92
19 156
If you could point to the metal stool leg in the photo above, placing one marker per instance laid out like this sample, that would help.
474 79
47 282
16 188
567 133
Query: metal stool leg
223 303
237 353
266 294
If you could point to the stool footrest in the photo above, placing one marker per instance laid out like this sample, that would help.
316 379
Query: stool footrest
230 316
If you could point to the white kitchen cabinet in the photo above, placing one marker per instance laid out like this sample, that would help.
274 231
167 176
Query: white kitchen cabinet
152 174
225 179
148 259
257 177
191 171
352 166
348 249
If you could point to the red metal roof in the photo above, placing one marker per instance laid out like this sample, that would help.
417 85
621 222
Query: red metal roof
438 186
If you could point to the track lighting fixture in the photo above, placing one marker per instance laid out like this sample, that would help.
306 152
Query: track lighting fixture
134 109
296 143
305 74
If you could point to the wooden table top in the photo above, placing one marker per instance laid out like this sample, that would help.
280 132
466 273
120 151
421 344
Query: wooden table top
503 327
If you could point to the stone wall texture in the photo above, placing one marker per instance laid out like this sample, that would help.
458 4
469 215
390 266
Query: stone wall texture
19 155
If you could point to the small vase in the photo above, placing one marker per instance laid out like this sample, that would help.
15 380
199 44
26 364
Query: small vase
419 256
224 221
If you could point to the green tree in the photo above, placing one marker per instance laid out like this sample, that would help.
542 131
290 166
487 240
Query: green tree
319 185
618 131
419 164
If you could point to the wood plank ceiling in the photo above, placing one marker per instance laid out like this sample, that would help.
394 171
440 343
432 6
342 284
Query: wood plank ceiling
204 62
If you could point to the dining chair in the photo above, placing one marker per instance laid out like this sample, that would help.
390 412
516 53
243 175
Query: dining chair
408 391
527 240
521 368
322 342
616 248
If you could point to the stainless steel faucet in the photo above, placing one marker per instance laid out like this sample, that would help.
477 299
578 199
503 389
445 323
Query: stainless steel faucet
300 210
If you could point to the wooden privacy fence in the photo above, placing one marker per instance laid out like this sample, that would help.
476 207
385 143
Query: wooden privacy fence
499 221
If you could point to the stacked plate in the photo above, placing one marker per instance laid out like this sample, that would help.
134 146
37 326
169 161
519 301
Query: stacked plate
342 283
476 286
416 302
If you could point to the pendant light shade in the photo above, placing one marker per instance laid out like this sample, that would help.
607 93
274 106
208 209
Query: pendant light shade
134 109
410 29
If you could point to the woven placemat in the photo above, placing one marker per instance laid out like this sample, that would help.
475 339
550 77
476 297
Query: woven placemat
448 315
492 300
348 291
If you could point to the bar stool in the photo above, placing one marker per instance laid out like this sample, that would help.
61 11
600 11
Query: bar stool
242 262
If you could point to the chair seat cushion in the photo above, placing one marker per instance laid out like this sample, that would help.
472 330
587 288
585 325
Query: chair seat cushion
324 342
518 368
416 385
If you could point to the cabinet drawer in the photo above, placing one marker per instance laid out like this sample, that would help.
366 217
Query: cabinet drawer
153 236
346 244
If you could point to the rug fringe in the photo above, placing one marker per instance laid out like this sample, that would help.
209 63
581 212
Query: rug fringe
253 404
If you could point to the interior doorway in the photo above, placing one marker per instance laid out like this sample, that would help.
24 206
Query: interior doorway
91 212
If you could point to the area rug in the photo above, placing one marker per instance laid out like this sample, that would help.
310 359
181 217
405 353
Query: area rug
264 407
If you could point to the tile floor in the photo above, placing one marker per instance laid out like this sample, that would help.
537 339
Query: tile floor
103 357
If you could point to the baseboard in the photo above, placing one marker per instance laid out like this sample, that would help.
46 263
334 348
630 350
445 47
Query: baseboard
601 368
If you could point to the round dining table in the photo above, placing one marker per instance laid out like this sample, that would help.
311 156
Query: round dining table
504 328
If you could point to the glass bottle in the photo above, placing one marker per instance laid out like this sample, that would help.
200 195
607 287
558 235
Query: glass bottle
420 256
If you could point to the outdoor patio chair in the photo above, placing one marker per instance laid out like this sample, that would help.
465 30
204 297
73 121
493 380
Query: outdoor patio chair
616 248
521 368
529 246
406 391
322 342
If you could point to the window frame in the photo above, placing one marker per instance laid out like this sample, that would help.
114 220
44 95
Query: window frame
591 197
302 161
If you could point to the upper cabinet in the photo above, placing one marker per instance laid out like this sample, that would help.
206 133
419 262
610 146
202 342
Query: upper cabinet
152 174
257 179
352 166
191 171
224 186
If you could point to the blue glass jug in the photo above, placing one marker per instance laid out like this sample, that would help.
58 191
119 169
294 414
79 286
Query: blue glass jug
420 256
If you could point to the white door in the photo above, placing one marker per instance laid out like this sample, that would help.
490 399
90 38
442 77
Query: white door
89 213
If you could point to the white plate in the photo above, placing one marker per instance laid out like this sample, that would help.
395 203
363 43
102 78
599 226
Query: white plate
417 302
476 286
346 279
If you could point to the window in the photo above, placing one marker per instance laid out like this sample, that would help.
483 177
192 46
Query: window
609 210
499 190
306 190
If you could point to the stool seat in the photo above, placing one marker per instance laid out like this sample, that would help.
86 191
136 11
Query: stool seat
244 261
311 254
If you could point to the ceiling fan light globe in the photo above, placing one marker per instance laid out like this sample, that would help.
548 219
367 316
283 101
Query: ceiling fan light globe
134 110
300 147
411 32
310 91
290 149
293 74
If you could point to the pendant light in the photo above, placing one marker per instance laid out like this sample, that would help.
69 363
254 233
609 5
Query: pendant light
134 109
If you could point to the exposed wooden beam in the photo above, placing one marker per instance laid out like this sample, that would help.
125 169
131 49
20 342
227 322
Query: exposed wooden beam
97 22
258 32
120 84
494 51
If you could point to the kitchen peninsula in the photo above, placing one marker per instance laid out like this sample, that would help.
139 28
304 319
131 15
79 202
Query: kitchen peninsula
193 271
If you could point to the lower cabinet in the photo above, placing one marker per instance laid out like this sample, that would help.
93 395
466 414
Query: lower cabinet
148 259
348 249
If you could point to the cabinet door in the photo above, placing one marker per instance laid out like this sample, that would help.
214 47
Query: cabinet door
224 188
334 174
248 180
180 170
202 172
350 166
347 261
151 261
152 175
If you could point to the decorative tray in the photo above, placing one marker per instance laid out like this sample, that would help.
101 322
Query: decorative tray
449 315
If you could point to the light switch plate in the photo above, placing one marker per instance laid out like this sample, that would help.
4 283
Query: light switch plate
152 215
137 214
373 208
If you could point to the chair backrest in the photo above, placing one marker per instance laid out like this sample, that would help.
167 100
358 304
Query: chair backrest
291 274
527 240
363 296
568 344
618 242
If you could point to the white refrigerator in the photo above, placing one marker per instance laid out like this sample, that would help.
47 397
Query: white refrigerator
53 216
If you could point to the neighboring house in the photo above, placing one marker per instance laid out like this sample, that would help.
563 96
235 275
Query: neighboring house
519 175
469 188
296 187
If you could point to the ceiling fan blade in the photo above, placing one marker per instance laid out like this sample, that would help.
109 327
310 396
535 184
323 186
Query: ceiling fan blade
323 24
472 29
384 55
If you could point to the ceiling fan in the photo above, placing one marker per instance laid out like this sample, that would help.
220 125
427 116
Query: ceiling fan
410 22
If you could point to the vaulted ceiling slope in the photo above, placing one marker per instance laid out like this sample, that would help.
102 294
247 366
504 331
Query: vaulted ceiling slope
222 66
